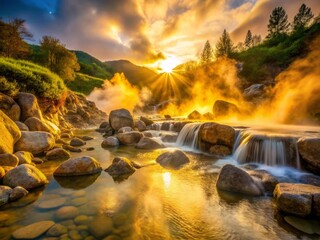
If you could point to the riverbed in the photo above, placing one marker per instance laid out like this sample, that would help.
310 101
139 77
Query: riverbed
152 203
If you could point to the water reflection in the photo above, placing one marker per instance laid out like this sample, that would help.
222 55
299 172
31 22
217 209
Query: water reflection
154 203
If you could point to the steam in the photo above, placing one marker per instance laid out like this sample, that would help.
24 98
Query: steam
296 94
216 81
119 93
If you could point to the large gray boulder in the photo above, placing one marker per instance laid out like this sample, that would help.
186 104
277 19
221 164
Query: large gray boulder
174 160
8 159
216 134
309 149
26 176
58 154
110 142
10 134
130 138
149 143
254 91
22 126
29 106
78 166
24 157
9 107
121 166
223 109
140 125
35 142
120 118
233 179
36 124
298 199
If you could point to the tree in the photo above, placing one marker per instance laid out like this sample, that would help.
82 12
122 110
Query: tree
256 40
11 38
224 46
207 53
59 59
303 18
278 23
248 42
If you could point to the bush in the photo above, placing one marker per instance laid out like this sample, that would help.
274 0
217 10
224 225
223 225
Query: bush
8 88
30 77
84 83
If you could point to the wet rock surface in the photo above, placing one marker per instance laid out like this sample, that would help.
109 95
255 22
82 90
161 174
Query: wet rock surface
173 160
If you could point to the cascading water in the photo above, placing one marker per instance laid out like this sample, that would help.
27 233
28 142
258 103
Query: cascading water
271 150
188 136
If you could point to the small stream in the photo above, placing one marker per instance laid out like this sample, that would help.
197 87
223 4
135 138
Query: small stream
153 203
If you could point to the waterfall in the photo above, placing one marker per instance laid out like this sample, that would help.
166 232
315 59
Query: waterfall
188 136
271 150
156 126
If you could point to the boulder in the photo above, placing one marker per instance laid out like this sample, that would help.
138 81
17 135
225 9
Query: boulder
169 137
22 126
224 109
10 134
125 129
175 159
298 199
24 157
8 159
77 142
268 181
216 134
254 91
32 231
208 116
121 166
149 143
57 154
220 150
2 173
29 106
5 192
35 142
140 125
130 138
104 125
26 176
78 166
9 107
17 193
110 142
309 150
233 179
35 124
195 115
120 118
147 121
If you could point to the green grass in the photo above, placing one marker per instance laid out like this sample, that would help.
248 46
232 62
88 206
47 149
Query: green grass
30 77
277 54
84 83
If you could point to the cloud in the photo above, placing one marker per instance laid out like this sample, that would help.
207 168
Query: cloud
145 31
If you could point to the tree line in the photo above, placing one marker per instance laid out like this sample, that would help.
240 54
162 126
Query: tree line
53 54
278 26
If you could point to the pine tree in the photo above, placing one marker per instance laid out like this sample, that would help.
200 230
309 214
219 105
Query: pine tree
303 18
278 23
248 42
207 54
224 46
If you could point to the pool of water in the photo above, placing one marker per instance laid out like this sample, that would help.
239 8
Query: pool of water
152 203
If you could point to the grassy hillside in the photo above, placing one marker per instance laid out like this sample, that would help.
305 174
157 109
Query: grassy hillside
84 83
25 76
268 59
92 66
139 76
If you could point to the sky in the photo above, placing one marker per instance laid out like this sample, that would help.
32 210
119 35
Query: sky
145 31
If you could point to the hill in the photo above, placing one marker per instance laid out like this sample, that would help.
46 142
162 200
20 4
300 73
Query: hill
139 76
91 66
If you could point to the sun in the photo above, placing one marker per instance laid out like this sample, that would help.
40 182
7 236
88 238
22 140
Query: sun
167 65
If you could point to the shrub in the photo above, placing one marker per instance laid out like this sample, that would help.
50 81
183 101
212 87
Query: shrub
84 83
30 77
